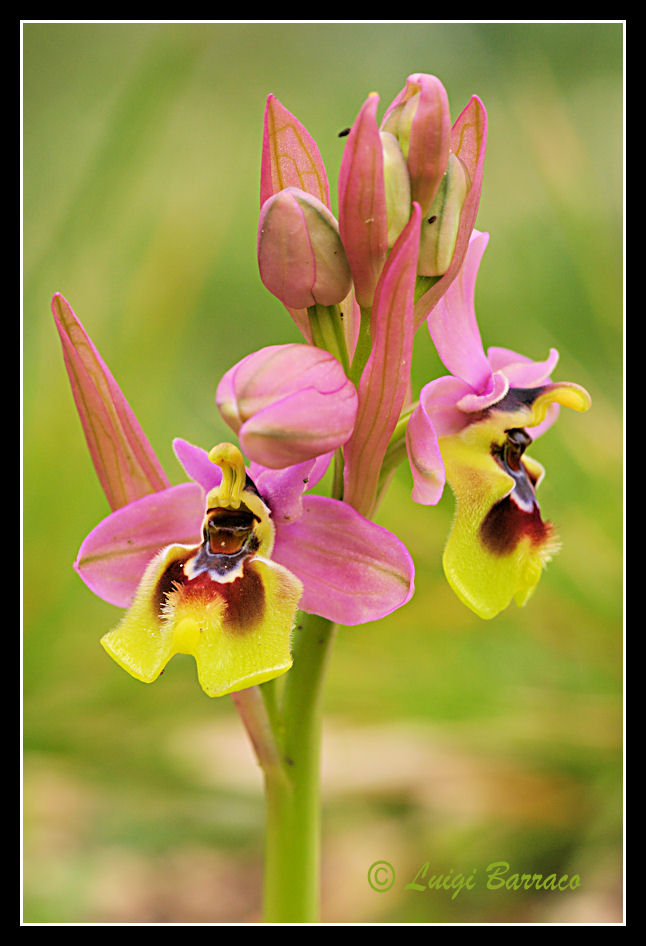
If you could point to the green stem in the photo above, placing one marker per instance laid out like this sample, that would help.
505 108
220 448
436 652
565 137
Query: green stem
292 842
326 326
364 346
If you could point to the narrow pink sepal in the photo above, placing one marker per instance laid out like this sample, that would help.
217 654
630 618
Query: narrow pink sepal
468 142
385 379
125 462
363 222
353 570
453 325
290 156
115 554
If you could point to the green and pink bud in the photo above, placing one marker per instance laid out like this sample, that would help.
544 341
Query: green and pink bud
397 183
419 118
300 254
442 222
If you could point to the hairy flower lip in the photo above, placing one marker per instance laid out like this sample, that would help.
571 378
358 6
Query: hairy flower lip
471 428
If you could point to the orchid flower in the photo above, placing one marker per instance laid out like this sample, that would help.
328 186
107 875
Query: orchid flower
352 570
471 428
217 567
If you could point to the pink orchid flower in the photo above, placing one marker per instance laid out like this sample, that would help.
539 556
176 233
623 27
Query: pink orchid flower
352 569
471 428
216 567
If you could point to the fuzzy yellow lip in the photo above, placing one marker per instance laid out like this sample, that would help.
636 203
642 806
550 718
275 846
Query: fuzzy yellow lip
224 602
499 543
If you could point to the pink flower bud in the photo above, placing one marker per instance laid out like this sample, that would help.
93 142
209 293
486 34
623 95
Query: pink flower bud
288 404
419 118
300 254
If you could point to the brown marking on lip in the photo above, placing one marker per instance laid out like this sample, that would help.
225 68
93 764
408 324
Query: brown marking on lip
167 582
506 524
245 601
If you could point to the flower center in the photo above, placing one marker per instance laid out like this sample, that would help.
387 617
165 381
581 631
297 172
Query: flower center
509 457
229 530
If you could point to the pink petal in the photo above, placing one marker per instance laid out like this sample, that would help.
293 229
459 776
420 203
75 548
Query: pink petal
494 392
122 456
115 554
384 383
520 371
468 141
453 326
363 222
439 399
197 465
352 570
283 490
302 426
425 458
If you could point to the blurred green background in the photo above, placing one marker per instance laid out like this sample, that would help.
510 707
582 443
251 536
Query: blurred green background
448 739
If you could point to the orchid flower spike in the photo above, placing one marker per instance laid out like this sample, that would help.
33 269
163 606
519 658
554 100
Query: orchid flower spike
472 429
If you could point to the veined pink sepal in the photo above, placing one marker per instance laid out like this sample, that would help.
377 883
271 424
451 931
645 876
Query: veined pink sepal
385 379
125 462
290 156
468 142
363 220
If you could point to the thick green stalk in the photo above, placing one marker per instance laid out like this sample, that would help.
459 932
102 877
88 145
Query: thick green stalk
293 818
326 326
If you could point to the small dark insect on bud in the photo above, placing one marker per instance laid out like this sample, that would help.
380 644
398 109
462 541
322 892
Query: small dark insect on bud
344 132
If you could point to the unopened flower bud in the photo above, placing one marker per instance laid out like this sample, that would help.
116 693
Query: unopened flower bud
397 181
419 118
288 404
440 225
300 254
